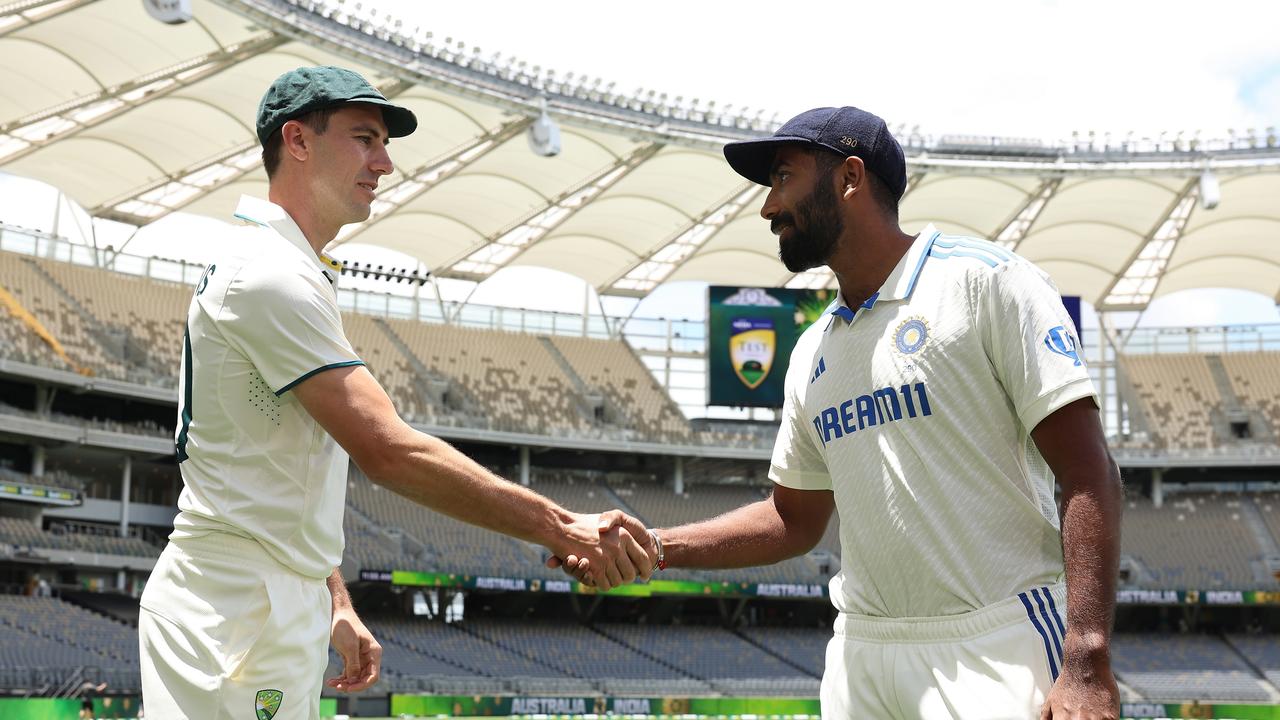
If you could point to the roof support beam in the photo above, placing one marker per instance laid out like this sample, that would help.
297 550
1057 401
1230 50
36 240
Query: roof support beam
1018 226
150 202
509 243
912 181
144 205
21 137
653 269
1134 288
423 178
812 279
25 13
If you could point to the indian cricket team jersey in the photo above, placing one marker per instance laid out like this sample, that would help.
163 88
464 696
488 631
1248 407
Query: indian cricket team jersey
916 409
264 317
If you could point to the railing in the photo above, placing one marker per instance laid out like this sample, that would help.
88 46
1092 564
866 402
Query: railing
1220 339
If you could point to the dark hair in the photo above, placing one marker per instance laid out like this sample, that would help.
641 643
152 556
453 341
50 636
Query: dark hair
826 163
317 120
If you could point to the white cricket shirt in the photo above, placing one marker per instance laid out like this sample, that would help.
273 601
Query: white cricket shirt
254 463
916 411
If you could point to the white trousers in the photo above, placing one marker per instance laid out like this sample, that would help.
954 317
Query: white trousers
226 632
995 663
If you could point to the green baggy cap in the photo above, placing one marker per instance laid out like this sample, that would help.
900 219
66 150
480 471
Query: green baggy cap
303 90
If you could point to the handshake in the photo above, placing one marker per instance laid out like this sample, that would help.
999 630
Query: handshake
605 550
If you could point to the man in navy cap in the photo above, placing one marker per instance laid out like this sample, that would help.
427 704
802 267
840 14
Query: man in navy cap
933 407
243 603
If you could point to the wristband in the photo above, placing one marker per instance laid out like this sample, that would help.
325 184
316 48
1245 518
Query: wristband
661 564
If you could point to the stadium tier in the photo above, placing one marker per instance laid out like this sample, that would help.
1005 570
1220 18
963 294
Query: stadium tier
1200 541
42 637
25 535
126 327
1175 667
1262 651
1198 401
1255 378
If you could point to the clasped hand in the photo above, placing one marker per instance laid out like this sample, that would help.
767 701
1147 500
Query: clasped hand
605 550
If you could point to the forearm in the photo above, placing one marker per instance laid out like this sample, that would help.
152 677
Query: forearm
433 473
338 590
1091 510
752 535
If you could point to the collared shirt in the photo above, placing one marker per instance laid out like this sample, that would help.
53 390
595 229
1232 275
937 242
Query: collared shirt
916 410
254 463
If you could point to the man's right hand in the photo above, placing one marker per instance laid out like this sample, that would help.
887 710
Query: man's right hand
605 550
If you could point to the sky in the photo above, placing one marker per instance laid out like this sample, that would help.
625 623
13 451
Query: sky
1034 69
1022 68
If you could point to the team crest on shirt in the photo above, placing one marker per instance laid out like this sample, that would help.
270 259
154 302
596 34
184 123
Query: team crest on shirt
267 703
911 335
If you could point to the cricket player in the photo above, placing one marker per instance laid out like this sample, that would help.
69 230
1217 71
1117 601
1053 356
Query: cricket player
934 406
240 609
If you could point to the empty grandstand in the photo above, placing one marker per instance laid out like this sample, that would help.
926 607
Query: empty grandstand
573 390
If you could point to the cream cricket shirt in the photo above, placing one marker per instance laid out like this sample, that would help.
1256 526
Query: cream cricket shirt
916 411
254 463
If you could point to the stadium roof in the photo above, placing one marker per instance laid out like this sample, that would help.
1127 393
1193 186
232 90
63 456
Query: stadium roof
134 119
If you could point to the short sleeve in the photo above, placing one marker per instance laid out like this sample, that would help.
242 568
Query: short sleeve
286 324
797 462
1032 342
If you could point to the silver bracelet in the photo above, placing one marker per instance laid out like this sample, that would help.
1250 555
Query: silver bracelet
661 564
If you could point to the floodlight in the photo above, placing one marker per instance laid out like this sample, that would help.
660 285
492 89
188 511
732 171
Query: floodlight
170 12
1210 193
544 133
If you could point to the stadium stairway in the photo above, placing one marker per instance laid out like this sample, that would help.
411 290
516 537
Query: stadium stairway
116 345
1266 680
588 400
678 671
432 387
29 322
1265 569
781 657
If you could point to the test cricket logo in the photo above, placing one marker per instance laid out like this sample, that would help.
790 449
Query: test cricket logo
267 703
751 349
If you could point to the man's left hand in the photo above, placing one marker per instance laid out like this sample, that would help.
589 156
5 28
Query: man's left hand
1083 693
361 654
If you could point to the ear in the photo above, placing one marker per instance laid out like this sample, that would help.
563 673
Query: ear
295 141
853 175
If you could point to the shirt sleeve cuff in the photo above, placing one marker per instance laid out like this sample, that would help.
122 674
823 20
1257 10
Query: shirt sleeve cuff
1047 404
322 368
798 480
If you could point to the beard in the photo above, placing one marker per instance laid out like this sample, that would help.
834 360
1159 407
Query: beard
815 228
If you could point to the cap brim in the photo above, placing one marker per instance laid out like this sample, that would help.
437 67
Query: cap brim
400 120
753 159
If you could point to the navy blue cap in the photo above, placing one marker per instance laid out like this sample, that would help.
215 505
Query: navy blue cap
845 130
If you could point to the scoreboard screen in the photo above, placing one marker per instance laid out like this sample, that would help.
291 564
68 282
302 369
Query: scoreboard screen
750 334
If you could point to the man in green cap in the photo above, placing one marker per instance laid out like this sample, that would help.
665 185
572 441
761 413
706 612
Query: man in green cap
273 401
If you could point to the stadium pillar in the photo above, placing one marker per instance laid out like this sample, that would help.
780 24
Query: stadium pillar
678 479
524 465
126 482
37 460
1157 487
